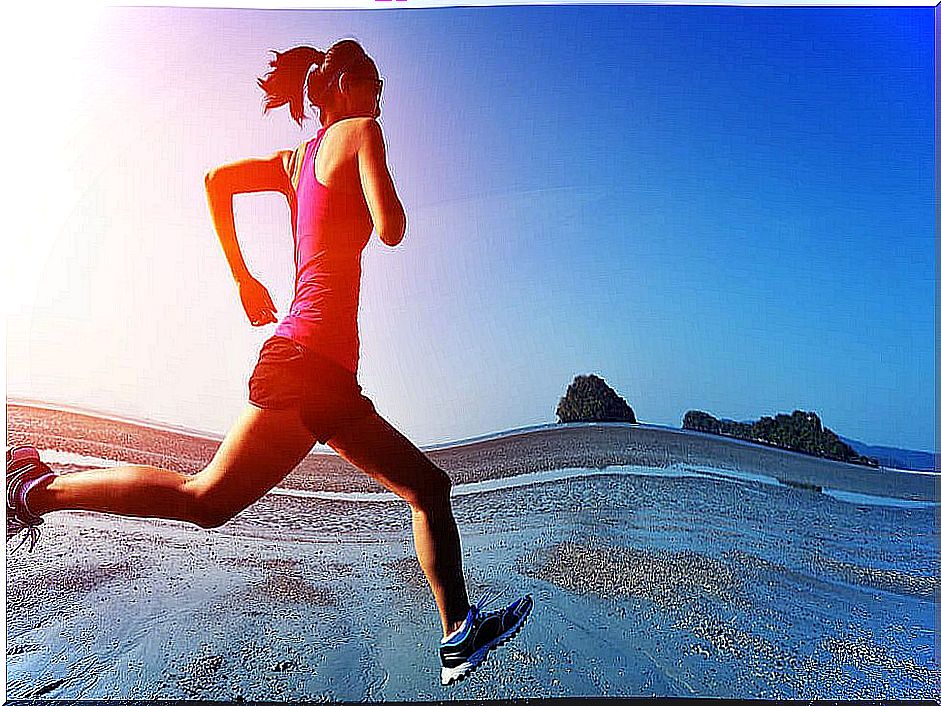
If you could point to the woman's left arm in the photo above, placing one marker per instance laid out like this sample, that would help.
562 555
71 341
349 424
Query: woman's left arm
222 183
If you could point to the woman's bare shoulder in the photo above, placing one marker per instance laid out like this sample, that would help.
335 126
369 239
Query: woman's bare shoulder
357 130
362 123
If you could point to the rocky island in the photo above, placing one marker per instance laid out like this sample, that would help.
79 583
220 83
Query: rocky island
799 431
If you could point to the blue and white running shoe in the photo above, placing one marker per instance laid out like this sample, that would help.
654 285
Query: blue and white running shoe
481 633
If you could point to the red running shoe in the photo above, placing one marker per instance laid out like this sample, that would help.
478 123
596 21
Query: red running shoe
24 470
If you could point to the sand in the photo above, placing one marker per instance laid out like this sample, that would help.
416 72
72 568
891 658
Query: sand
645 584
563 446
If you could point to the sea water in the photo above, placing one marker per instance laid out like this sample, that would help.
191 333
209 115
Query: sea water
683 581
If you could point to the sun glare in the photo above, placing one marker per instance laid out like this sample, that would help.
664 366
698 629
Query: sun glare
52 62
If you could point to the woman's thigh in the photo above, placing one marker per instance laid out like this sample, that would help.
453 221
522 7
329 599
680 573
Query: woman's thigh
261 448
373 445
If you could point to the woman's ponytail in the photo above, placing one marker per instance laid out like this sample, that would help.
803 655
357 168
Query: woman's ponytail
285 82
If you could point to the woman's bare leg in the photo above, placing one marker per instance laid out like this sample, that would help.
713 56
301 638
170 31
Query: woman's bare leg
376 447
261 449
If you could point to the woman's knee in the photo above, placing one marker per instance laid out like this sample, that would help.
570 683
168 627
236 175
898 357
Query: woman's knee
432 492
205 508
210 518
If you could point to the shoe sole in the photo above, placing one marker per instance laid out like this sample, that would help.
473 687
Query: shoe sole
19 454
490 648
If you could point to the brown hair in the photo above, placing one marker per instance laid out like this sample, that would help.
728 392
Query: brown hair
285 83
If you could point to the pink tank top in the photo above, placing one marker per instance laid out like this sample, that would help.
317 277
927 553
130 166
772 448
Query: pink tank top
332 226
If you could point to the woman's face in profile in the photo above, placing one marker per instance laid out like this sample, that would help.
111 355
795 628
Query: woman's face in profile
362 93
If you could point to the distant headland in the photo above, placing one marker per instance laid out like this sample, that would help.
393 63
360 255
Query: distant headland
798 431
590 399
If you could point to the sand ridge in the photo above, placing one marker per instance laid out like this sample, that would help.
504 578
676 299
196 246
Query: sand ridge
564 446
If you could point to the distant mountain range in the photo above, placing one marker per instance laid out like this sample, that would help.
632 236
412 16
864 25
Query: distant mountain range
892 457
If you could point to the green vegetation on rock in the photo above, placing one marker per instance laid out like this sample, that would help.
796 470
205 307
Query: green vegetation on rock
800 431
590 399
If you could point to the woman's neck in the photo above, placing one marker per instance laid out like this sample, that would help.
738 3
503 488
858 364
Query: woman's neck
328 118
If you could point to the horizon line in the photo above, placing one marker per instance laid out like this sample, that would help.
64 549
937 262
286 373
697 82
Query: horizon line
203 434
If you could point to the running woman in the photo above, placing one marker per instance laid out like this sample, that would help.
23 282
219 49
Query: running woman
304 387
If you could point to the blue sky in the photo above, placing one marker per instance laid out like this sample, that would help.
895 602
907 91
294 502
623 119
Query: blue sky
717 208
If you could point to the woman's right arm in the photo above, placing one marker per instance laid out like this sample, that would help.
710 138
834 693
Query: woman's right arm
388 216
222 183
244 176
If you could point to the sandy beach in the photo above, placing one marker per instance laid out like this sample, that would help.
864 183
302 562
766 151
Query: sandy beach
649 579
555 447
